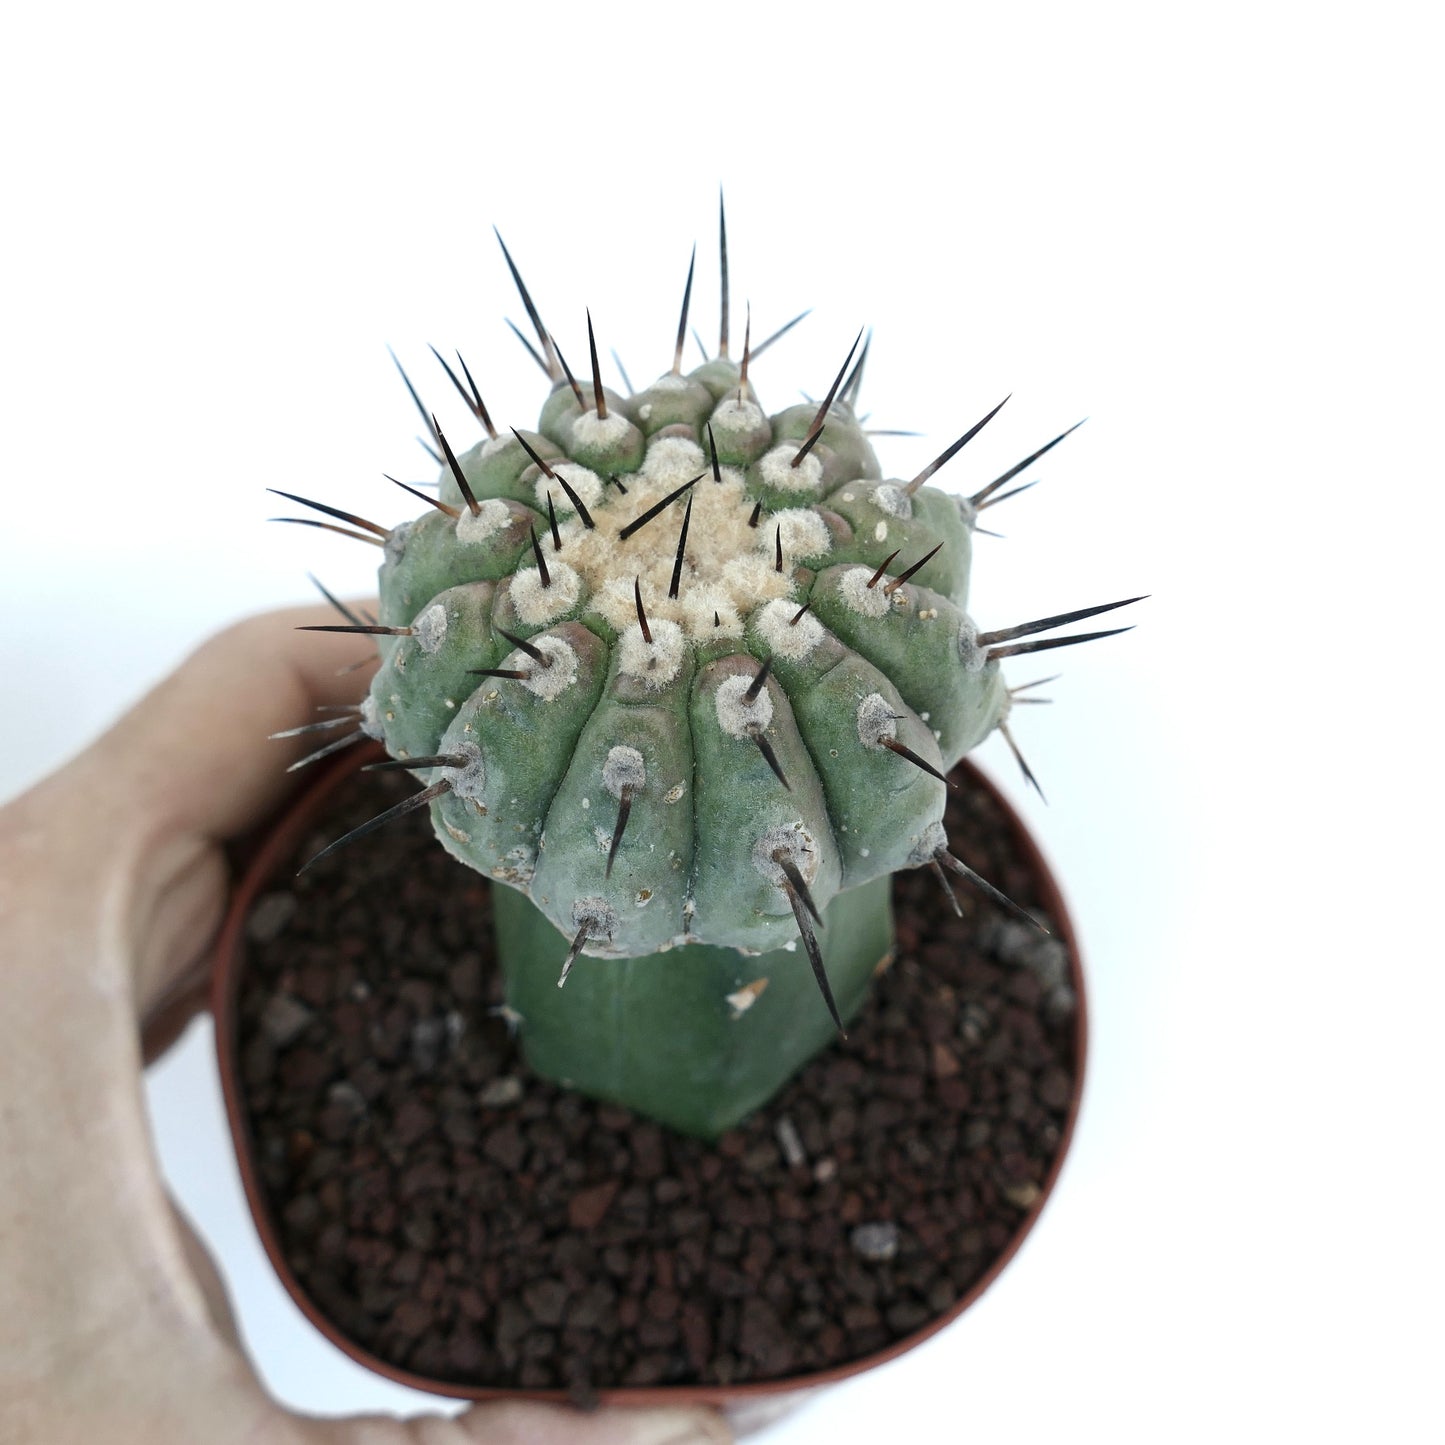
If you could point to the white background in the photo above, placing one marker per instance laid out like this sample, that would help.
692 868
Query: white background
1213 230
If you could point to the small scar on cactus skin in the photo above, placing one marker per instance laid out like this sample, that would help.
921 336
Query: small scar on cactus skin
372 527
948 454
401 809
441 506
332 527
657 508
902 577
474 401
978 499
682 320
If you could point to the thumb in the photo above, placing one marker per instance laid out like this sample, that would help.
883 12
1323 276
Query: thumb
524 1422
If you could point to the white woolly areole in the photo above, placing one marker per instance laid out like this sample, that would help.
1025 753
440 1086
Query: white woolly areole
470 780
554 679
967 511
788 639
930 841
624 768
722 572
431 628
701 603
795 843
737 418
597 916
894 500
491 516
754 577
777 470
804 534
654 663
972 655
538 605
669 381
590 430
876 720
857 595
672 460
738 717
587 484
371 717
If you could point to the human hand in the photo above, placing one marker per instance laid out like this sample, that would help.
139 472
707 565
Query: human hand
113 878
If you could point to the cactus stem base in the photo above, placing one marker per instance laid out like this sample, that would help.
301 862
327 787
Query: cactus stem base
697 1037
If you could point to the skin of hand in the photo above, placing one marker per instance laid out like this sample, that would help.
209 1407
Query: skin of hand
113 878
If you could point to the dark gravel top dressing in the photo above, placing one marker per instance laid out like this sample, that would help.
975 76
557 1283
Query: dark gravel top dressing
464 1220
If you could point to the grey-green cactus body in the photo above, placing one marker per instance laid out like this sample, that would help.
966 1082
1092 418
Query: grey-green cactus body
532 805
611 751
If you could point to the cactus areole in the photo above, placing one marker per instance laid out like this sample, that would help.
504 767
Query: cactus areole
686 677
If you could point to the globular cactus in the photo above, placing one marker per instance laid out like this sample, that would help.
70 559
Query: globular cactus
689 678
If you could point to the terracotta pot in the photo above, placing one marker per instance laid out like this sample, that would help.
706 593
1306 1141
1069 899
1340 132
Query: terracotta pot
750 1404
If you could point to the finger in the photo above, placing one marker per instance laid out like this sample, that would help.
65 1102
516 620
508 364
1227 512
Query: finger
208 1277
196 756
178 1003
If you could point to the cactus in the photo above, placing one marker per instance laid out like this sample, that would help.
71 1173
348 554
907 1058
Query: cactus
688 678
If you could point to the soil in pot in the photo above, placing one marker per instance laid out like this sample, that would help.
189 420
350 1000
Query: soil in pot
467 1222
